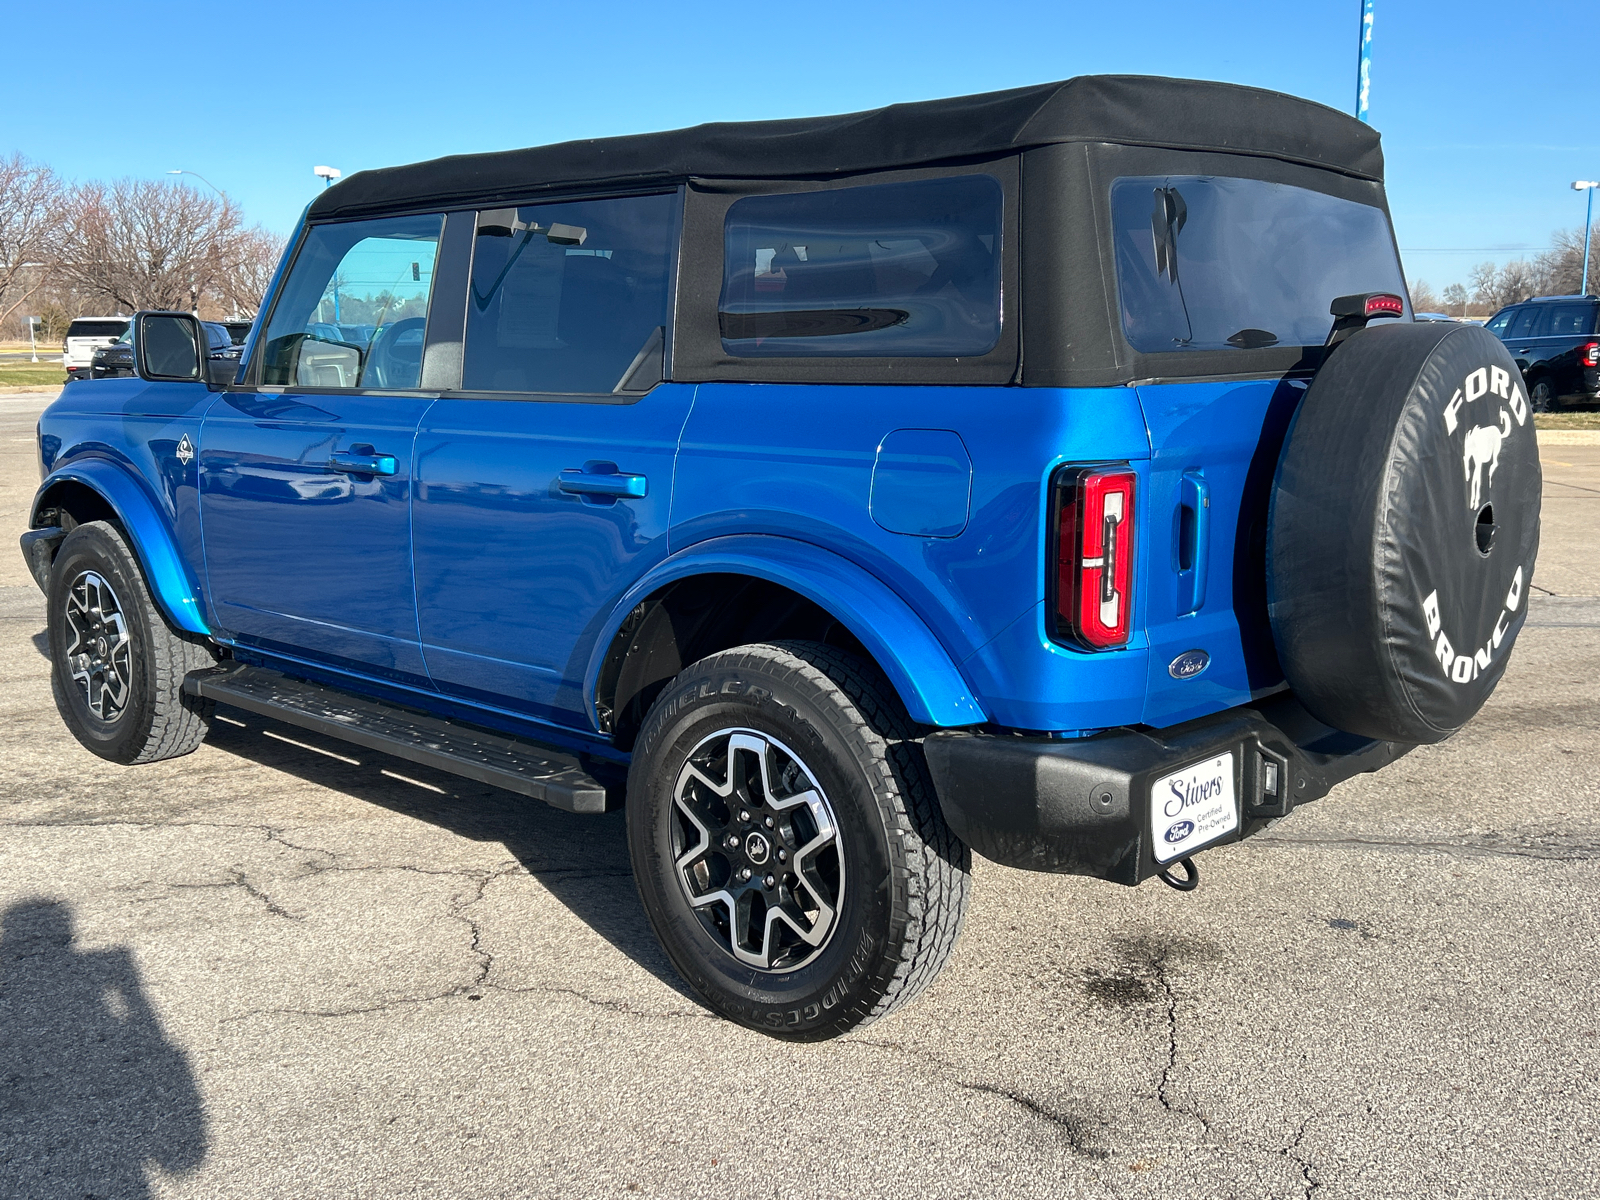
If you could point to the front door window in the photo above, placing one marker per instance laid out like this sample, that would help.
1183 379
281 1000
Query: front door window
354 308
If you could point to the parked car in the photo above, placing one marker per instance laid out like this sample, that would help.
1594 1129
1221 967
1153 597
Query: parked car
221 342
238 330
85 335
116 360
1556 342
703 473
1433 316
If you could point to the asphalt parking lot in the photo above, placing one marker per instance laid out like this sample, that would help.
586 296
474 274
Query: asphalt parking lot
286 967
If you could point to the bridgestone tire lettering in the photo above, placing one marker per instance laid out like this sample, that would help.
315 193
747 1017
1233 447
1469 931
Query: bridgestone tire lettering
906 874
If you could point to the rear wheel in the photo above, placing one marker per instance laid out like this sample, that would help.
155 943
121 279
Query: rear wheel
1541 396
117 667
787 842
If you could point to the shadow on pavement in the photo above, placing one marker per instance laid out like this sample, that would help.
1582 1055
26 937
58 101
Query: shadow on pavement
582 861
91 1090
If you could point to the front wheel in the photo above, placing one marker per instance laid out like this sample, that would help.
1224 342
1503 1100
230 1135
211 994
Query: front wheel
117 667
787 842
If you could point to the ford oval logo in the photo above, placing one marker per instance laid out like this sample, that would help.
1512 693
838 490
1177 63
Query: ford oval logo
1189 664
1179 831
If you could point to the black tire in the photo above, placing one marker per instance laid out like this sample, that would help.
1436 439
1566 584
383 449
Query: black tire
902 876
1403 531
117 667
1541 396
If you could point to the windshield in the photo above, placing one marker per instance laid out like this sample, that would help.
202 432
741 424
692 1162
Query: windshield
1212 263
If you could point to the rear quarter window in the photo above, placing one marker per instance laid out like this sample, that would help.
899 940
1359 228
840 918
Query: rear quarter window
1217 263
885 270
1570 320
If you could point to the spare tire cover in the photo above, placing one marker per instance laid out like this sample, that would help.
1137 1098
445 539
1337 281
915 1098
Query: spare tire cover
1403 530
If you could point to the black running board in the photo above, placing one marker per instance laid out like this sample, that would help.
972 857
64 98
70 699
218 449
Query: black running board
518 765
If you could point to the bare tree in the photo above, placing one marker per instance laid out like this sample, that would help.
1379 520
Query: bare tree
143 244
1496 287
1424 298
253 256
33 216
1553 272
1561 265
1455 300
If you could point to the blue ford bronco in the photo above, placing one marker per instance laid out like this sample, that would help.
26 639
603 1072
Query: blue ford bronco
1056 474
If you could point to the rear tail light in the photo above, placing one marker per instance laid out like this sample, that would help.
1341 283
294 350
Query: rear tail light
1092 548
1590 354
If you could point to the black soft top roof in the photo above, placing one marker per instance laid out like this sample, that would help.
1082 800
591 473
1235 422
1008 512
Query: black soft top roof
1141 110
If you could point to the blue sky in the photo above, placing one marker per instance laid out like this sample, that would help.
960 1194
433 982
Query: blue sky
1483 128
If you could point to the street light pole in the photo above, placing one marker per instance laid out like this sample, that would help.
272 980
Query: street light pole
203 180
327 175
1586 185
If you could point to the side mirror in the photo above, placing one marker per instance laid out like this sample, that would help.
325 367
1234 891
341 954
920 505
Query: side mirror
169 347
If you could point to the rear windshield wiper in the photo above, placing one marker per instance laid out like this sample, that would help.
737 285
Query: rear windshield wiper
1166 222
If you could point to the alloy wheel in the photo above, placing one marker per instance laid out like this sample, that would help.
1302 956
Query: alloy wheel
755 845
100 653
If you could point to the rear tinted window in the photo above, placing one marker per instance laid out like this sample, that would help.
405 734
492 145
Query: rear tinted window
1522 323
97 329
889 270
1213 263
1567 320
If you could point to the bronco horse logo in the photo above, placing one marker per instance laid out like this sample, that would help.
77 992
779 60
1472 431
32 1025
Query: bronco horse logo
1483 449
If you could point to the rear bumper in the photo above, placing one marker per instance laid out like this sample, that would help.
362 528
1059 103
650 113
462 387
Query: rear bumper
1083 807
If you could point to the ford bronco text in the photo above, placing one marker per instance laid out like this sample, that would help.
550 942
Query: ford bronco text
1056 474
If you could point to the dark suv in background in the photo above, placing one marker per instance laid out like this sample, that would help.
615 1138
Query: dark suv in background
1556 342
116 360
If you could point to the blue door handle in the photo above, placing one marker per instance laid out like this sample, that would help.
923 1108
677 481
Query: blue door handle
369 463
579 482
1194 496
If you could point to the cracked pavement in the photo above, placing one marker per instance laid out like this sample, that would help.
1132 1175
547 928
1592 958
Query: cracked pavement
284 966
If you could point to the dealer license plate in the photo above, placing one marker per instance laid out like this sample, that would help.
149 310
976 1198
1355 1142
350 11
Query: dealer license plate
1192 808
